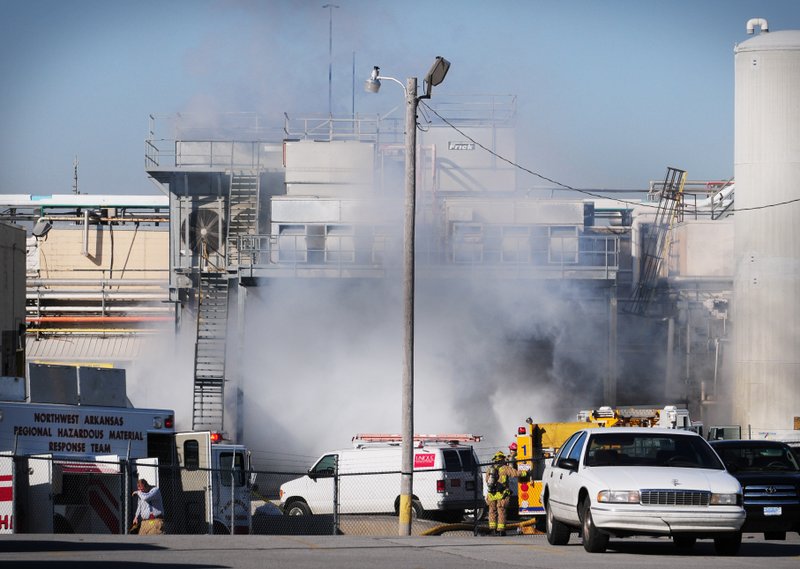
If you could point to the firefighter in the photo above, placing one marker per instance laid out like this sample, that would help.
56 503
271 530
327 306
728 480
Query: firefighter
498 495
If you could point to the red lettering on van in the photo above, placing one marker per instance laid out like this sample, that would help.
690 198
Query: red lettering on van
424 460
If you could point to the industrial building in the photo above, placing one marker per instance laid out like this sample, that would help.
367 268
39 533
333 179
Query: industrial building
689 295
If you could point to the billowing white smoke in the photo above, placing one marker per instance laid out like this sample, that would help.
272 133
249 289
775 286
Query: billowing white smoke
321 361
161 378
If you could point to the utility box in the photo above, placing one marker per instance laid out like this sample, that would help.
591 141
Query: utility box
104 387
77 385
53 384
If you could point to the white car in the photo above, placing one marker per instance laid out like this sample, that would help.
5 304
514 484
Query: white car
624 481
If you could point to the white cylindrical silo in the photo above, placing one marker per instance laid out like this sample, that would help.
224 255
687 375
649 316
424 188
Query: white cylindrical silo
766 308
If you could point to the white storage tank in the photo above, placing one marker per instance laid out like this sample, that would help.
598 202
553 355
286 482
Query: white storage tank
766 310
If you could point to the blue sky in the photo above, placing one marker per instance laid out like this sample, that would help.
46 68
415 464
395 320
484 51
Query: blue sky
609 93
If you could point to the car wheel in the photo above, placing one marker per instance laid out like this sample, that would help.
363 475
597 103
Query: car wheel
728 544
417 512
557 533
297 508
594 540
684 542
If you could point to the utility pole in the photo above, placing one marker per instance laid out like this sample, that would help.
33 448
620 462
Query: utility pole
330 56
434 77
407 398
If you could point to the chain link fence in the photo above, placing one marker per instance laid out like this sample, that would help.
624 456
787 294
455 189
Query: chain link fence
46 495
366 503
40 494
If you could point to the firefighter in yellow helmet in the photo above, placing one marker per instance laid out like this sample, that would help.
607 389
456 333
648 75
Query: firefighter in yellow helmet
498 491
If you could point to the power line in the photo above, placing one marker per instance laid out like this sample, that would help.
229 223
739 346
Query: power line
524 169
568 187
766 206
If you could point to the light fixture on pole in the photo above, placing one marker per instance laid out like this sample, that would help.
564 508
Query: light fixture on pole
330 8
434 77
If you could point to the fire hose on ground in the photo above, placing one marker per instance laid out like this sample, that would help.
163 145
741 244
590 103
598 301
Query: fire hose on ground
526 526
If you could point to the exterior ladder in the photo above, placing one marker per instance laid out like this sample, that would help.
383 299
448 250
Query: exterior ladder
242 210
209 352
655 246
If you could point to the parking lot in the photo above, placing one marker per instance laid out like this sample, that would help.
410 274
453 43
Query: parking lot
356 552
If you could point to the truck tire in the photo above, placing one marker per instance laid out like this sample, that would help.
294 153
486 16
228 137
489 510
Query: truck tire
297 508
594 540
557 533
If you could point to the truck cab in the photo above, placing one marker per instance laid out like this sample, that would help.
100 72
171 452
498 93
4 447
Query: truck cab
213 477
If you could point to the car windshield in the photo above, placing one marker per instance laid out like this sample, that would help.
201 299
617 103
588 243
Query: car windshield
744 458
650 449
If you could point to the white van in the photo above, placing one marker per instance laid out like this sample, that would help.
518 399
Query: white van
445 482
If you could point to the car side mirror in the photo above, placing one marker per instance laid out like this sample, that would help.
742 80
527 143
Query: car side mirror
732 467
569 464
312 475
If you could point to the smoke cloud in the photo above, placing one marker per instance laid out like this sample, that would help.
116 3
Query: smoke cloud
322 361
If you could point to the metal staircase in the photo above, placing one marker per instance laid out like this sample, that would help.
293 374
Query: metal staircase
655 245
242 210
209 354
212 306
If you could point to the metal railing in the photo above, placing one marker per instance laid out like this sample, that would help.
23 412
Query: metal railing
599 254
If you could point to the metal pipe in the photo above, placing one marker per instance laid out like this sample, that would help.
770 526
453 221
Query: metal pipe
85 251
86 295
92 331
760 22
118 218
100 282
716 365
96 309
41 319
670 359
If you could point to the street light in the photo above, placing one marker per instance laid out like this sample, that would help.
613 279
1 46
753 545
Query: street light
434 77
330 8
